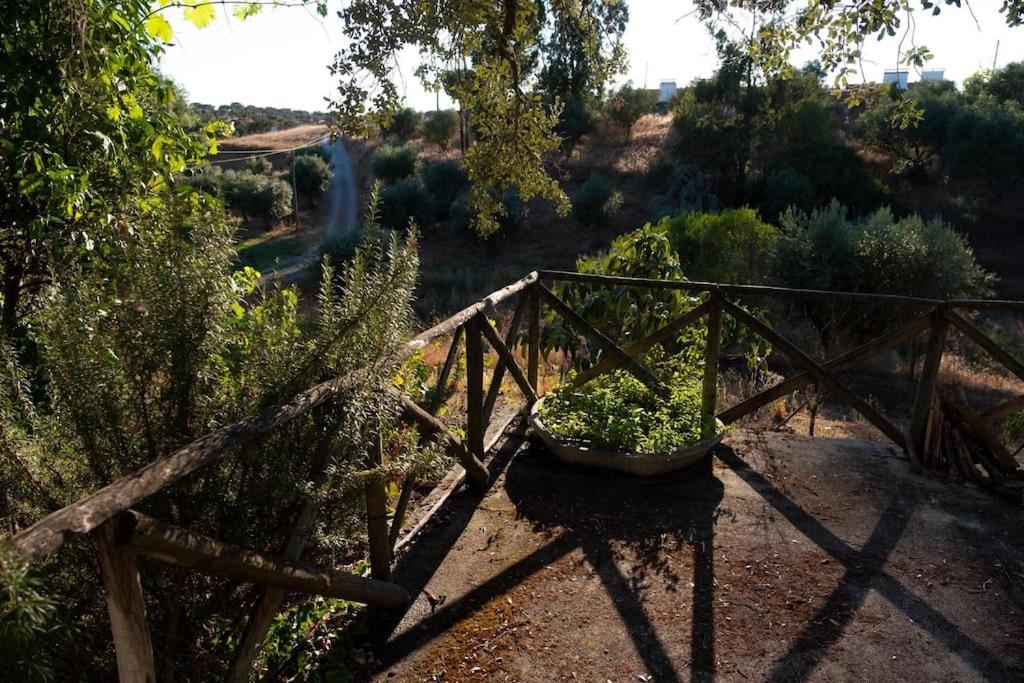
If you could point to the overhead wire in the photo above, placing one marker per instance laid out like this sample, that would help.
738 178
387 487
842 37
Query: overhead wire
260 153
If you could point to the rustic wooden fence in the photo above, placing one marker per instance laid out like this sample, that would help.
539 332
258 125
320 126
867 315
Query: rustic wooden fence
121 533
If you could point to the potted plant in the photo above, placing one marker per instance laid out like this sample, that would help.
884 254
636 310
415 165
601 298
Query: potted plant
616 422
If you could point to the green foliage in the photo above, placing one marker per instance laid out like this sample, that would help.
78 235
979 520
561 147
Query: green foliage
624 313
1003 85
512 218
617 411
785 188
312 176
407 203
439 126
583 50
256 196
733 246
159 343
1014 426
596 201
394 162
403 124
259 166
879 253
687 189
986 140
574 121
247 119
627 105
81 72
27 618
446 181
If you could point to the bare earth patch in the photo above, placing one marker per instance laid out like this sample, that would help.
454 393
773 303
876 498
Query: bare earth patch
792 558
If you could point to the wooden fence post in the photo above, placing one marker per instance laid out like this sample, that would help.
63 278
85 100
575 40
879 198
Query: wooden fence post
377 517
712 349
533 341
126 606
474 389
926 385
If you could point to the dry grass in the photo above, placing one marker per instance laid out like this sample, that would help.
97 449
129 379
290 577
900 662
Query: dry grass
281 139
606 148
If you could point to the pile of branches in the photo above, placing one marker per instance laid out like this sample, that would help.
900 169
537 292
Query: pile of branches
962 445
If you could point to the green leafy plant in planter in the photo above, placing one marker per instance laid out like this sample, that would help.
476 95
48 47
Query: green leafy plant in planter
617 411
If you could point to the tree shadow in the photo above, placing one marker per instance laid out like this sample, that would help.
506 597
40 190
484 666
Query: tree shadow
864 571
611 516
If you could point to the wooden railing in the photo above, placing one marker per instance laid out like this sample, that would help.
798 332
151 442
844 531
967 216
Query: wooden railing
122 533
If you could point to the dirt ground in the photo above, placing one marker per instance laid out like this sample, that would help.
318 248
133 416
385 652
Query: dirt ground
788 559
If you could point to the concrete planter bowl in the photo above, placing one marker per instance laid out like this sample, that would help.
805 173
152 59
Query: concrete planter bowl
638 464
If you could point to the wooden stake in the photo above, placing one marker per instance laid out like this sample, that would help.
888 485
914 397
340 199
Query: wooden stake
712 351
474 390
533 341
126 606
377 517
929 378
442 379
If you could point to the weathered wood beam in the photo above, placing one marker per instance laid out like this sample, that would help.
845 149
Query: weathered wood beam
712 350
448 325
446 370
533 340
261 618
739 290
1005 409
475 426
499 369
925 399
986 342
608 364
507 360
184 548
982 430
126 606
430 426
820 374
400 509
377 516
837 364
607 345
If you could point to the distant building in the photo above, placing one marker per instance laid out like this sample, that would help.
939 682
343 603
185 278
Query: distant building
933 75
898 76
666 92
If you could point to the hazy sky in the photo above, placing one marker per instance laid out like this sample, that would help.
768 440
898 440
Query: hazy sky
279 58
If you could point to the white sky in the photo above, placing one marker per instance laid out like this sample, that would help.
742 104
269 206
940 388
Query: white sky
279 58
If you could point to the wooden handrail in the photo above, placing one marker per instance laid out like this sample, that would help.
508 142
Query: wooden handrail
765 290
185 548
85 515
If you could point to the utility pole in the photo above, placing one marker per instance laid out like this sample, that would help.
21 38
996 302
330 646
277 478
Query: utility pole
995 57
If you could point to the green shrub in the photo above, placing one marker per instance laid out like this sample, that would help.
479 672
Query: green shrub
320 151
733 246
879 253
687 189
312 176
508 222
574 121
205 178
785 188
404 124
439 127
406 201
259 165
616 410
596 201
256 196
446 181
394 162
